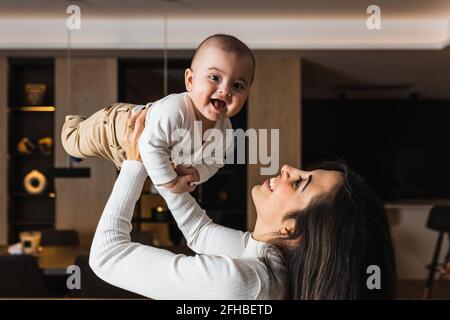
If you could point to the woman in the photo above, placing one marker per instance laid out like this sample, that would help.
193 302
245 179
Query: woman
316 234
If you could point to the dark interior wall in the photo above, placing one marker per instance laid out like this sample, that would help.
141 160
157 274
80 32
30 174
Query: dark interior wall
400 146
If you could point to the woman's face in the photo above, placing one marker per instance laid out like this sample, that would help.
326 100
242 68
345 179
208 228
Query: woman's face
290 191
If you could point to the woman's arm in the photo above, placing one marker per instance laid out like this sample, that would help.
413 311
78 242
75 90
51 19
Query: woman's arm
154 272
201 233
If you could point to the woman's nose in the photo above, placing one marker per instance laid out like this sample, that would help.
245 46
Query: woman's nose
285 171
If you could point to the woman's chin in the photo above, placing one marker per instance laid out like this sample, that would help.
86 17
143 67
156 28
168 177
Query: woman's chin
256 194
253 192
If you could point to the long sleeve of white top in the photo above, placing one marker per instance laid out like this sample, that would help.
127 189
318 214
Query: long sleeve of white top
229 269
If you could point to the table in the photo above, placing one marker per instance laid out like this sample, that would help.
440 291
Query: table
54 260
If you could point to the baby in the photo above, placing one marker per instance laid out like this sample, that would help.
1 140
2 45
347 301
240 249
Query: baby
217 83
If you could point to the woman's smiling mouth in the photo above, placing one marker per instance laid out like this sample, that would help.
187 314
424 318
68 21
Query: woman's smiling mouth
270 184
267 185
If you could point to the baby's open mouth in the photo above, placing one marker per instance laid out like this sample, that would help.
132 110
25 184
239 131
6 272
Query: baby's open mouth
218 104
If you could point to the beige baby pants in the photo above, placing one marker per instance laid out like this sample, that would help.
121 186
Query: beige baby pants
101 135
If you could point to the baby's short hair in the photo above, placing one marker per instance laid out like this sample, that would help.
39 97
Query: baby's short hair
227 43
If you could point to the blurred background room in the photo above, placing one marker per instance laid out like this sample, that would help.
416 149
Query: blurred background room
370 84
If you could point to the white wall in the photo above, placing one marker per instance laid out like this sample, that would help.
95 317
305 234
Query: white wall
414 243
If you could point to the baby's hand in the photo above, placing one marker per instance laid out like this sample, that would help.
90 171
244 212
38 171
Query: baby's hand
184 171
185 180
183 184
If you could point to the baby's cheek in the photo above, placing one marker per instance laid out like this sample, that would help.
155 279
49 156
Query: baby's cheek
234 109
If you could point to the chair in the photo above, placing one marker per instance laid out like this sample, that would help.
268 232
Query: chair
20 277
438 220
94 287
143 237
52 237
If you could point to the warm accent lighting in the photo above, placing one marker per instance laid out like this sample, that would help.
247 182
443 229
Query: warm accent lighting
38 109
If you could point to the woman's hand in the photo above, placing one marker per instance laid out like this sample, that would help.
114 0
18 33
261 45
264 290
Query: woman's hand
134 127
185 179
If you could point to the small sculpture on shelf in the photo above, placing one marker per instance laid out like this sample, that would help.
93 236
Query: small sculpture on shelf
25 146
30 241
45 145
35 182
35 93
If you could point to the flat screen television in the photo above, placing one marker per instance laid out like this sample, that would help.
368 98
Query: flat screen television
401 147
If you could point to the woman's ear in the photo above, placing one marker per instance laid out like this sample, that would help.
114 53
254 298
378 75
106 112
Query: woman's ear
188 75
287 227
287 232
293 243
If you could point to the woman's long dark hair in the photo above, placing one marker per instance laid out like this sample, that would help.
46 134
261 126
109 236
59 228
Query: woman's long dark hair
340 235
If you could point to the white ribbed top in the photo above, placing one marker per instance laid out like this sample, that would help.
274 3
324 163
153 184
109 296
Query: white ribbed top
226 266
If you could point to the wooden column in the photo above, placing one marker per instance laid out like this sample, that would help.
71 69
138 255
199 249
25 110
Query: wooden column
274 103
80 201
3 150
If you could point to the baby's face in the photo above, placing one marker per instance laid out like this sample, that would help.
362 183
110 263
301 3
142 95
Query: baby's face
219 82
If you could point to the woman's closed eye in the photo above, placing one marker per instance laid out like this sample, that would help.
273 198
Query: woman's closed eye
297 183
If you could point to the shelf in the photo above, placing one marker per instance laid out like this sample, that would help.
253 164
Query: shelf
25 210
30 156
39 195
33 109
32 223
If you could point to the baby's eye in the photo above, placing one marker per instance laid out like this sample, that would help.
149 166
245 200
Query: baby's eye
239 86
297 183
214 77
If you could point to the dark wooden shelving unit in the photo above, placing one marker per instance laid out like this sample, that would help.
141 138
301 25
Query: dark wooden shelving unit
28 211
32 109
30 156
25 195
32 223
